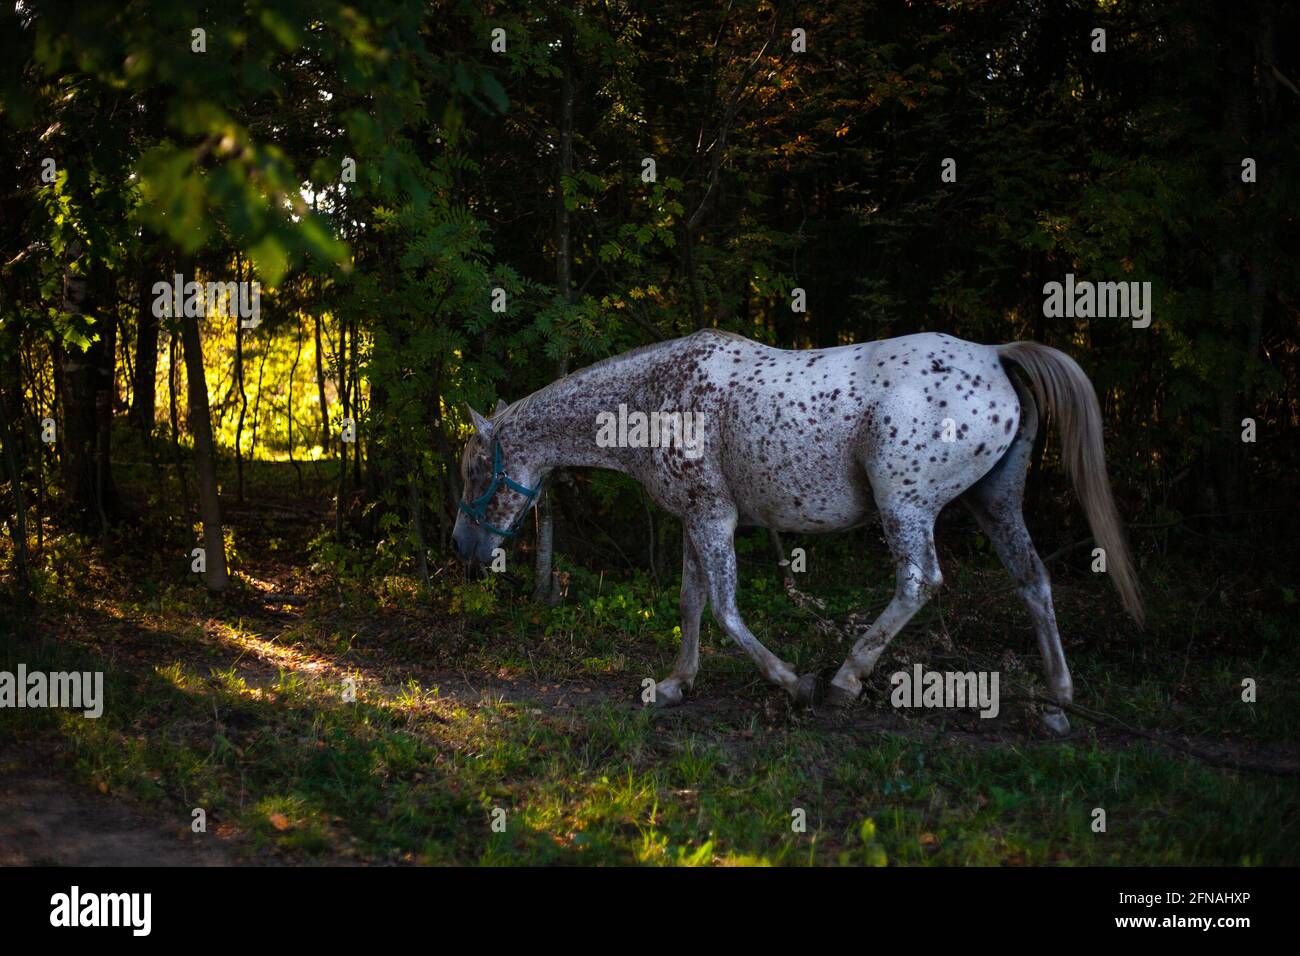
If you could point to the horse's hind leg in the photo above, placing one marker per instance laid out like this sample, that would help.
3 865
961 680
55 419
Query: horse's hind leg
713 540
1002 521
995 500
672 688
910 532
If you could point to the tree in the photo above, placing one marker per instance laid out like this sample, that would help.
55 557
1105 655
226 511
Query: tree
205 466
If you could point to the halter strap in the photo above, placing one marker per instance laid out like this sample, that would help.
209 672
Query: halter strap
477 509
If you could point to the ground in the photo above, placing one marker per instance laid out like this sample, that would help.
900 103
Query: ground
48 820
473 706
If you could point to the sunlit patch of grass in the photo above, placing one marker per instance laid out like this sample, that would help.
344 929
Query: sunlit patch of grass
250 722
409 776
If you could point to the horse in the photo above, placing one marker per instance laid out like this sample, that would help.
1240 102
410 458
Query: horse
812 440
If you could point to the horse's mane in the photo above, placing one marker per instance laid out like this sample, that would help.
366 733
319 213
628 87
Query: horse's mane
522 405
724 333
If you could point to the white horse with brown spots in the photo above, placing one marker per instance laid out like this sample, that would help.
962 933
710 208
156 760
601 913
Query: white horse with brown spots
806 441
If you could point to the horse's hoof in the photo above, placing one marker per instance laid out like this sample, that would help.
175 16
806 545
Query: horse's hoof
837 696
668 694
805 692
1056 722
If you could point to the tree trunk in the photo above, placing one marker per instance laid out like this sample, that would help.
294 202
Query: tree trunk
417 522
257 405
173 355
343 445
320 388
144 400
293 371
87 390
354 367
543 579
205 468
243 411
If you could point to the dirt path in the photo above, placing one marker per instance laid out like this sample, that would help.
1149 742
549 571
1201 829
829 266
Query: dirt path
46 820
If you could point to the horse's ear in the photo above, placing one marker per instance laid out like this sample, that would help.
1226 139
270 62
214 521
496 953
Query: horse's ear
502 405
481 424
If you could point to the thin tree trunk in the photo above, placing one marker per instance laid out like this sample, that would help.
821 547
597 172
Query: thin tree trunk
40 449
417 523
214 541
144 399
543 567
257 405
173 357
355 392
343 445
13 408
544 558
293 371
320 387
243 411
447 456
123 337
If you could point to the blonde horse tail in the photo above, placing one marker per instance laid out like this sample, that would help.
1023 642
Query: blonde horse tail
1064 392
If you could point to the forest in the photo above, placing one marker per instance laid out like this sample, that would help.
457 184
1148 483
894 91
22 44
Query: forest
259 259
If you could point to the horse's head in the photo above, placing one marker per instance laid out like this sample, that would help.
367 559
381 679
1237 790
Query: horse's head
501 481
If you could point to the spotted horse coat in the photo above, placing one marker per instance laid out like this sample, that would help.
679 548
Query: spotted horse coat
807 441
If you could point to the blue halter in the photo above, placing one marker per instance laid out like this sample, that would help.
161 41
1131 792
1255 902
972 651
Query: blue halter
477 509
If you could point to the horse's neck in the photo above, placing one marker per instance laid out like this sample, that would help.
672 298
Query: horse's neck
561 421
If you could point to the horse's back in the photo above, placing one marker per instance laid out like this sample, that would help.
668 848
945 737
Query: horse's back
811 440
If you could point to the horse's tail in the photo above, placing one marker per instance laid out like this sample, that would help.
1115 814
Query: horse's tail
1063 390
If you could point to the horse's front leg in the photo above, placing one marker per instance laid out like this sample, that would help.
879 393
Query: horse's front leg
674 687
714 543
910 532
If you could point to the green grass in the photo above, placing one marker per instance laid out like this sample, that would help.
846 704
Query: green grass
221 706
